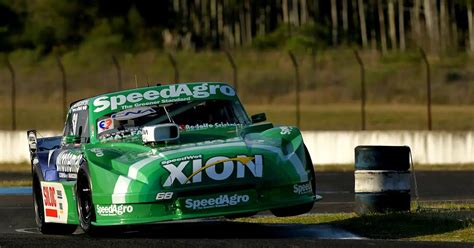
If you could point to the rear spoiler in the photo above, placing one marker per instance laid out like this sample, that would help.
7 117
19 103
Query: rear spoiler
36 145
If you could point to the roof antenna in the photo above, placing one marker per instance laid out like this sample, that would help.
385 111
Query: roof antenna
136 81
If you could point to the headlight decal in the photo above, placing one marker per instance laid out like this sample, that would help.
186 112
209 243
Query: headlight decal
291 157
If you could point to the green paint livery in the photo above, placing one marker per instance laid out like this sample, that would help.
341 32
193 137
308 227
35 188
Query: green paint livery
217 163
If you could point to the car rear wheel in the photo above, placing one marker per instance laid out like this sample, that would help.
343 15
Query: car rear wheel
302 208
43 227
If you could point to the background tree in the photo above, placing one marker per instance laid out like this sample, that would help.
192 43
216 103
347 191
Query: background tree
49 26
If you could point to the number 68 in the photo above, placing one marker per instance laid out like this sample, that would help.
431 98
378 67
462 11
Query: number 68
164 196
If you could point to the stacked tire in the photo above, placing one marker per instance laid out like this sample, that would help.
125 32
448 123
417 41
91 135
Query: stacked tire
382 179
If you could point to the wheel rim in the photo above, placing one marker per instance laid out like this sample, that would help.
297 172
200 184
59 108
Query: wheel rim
85 200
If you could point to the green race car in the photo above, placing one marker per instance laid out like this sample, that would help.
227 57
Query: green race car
166 153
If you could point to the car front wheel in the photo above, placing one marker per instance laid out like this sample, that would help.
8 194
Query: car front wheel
85 206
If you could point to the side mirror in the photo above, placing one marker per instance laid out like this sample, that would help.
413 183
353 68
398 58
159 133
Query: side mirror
32 140
72 139
32 144
256 118
160 133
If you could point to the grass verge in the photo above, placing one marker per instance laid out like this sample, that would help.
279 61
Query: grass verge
337 116
379 116
14 183
15 167
418 167
439 222
15 174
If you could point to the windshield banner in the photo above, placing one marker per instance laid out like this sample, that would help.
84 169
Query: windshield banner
161 95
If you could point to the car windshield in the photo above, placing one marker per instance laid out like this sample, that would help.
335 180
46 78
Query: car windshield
190 115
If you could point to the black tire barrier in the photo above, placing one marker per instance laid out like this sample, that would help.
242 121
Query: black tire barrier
395 158
382 202
382 179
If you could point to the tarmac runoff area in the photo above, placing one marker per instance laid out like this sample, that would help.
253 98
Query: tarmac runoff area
17 227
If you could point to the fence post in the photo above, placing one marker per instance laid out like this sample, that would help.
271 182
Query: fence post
13 92
64 85
119 72
297 78
314 67
428 86
313 58
172 59
362 89
234 68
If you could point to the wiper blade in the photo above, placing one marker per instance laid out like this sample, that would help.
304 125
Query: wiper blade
168 114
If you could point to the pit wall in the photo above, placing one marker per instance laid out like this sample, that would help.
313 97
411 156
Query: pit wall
325 147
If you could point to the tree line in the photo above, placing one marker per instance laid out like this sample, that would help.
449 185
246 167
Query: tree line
438 26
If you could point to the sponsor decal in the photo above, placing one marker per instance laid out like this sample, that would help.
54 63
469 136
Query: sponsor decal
54 202
78 109
229 165
80 103
105 124
120 135
49 196
209 125
174 160
302 189
164 196
172 93
132 113
98 152
114 210
67 175
217 202
79 106
285 130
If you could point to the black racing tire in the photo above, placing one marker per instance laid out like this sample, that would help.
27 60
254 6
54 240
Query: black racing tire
43 227
395 158
85 206
302 208
309 163
293 210
241 215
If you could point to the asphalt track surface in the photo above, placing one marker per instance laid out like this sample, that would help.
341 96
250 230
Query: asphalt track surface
17 226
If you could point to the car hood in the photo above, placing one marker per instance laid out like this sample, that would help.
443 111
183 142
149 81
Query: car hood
236 160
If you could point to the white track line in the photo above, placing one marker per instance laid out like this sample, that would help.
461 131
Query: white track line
30 230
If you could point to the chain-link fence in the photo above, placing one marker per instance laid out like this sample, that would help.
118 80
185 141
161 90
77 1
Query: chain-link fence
329 90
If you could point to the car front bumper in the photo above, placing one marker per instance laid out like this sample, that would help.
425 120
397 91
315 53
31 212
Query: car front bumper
203 205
